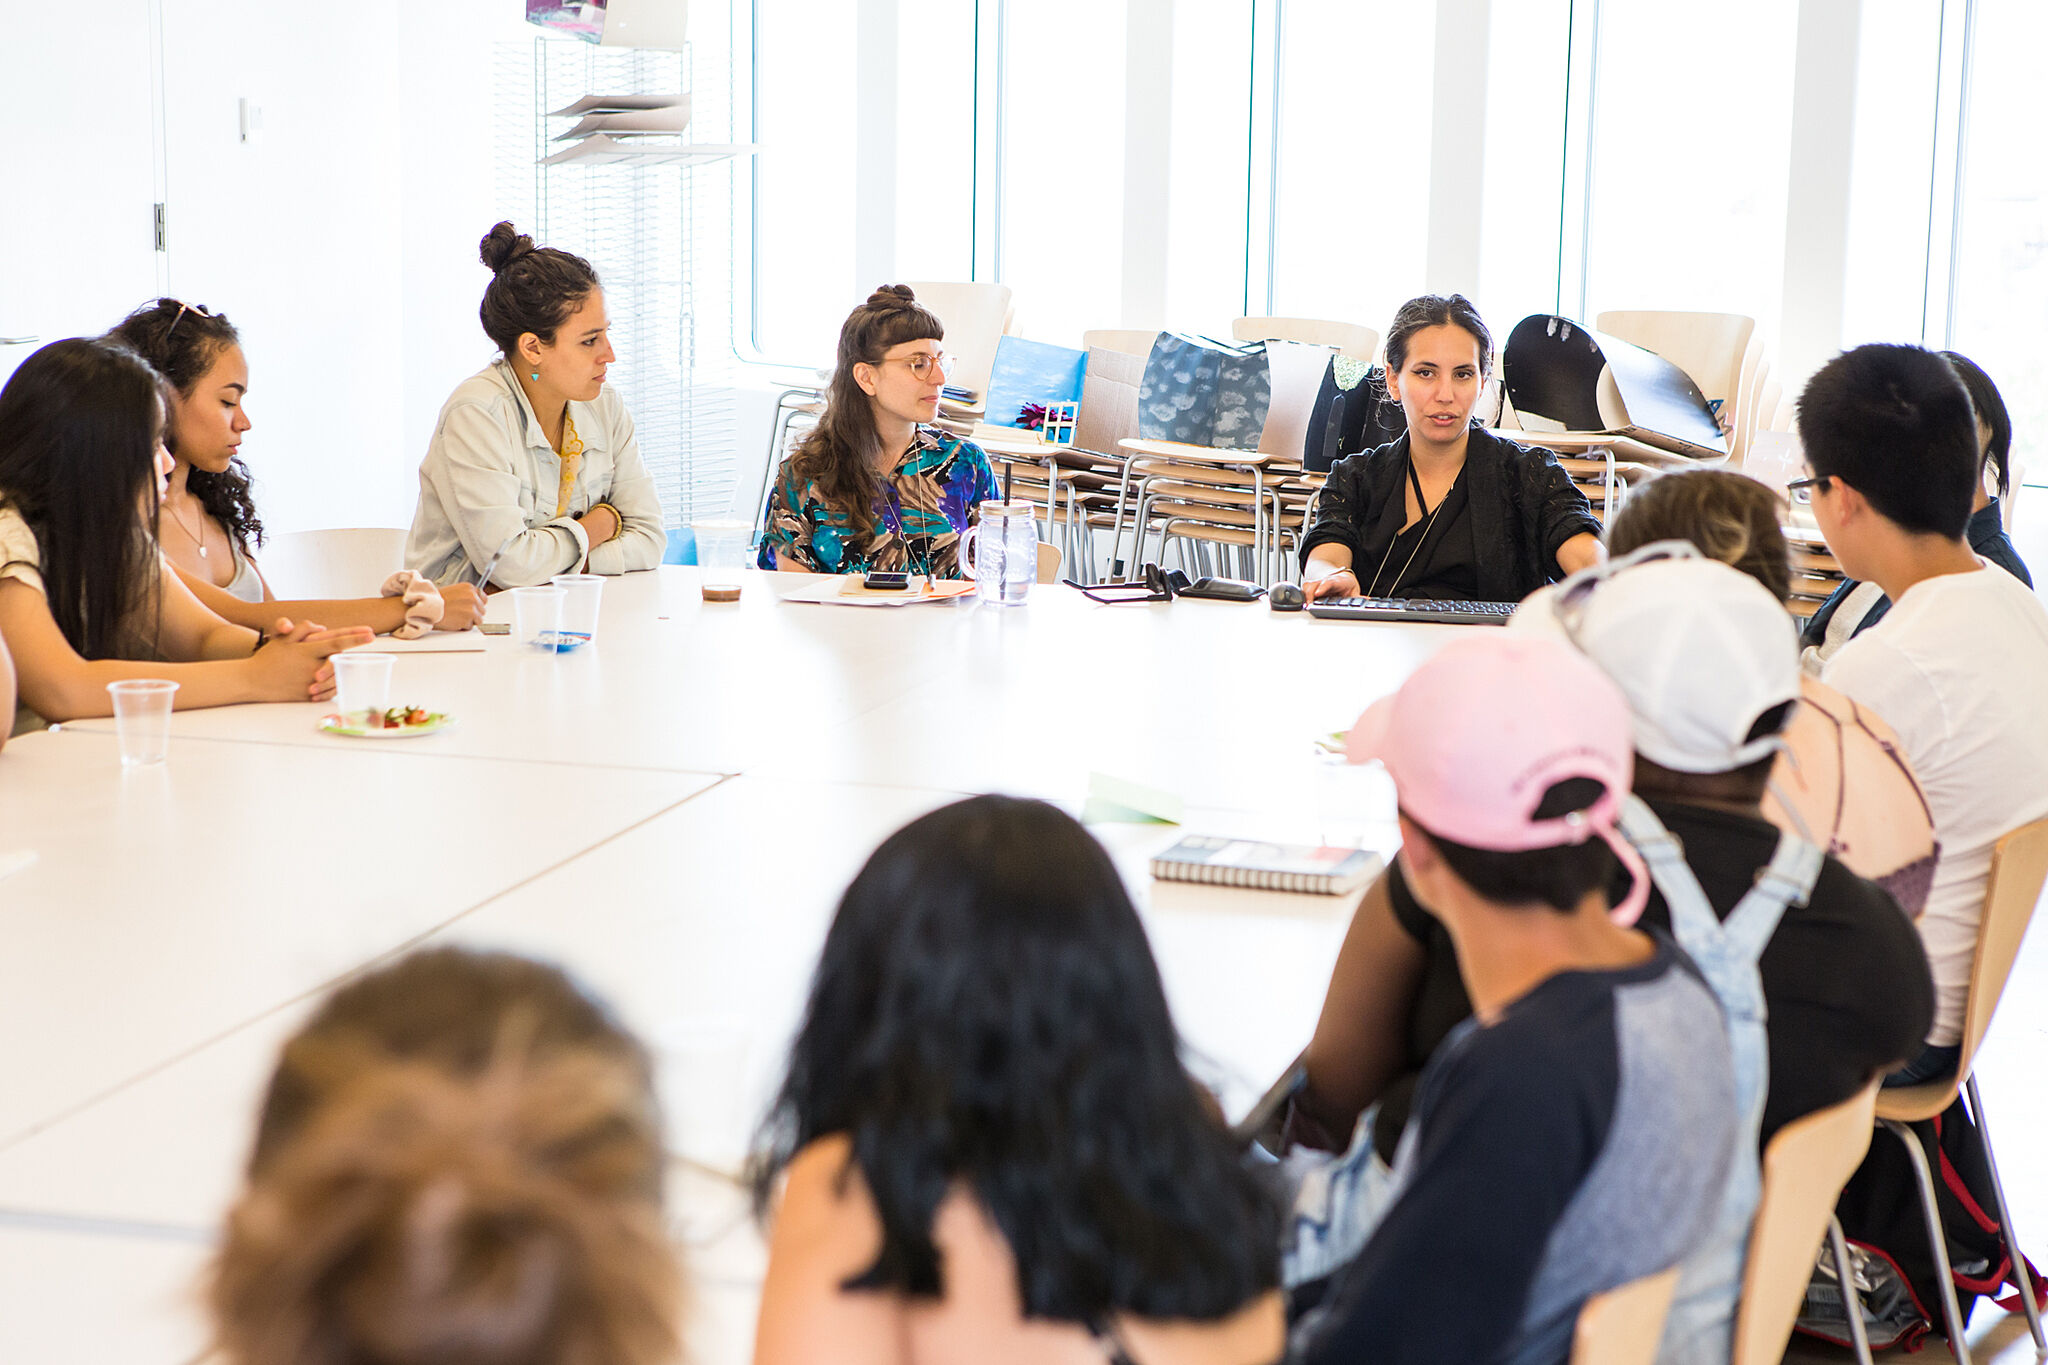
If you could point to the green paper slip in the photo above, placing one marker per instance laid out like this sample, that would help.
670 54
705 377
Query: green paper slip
1118 801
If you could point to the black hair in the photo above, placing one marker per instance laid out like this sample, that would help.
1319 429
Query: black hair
987 1012
532 289
1436 310
1895 423
839 453
1989 406
182 341
79 425
1558 877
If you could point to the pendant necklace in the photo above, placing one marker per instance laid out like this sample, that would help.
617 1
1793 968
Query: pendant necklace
186 527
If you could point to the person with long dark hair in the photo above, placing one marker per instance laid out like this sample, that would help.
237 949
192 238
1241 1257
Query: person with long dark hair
458 1159
1450 510
987 1145
872 486
210 523
1855 606
85 597
534 467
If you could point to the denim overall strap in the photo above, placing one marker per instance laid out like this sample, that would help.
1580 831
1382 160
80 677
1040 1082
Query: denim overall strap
1702 1320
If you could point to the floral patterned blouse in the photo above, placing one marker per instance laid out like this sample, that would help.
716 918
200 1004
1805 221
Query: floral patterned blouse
933 495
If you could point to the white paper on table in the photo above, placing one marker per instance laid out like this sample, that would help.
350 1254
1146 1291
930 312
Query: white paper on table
14 860
831 590
469 641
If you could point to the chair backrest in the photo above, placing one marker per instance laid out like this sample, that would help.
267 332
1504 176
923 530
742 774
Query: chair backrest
1709 347
1297 377
2019 864
1352 339
1109 400
1621 1327
1127 340
1805 1167
348 562
1049 558
975 315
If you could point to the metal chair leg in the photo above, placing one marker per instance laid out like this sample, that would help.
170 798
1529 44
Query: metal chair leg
2012 1237
1952 1311
1852 1302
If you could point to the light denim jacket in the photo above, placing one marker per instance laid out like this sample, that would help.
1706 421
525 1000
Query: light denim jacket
490 479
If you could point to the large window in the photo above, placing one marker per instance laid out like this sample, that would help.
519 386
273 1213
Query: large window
1061 248
1352 178
2001 248
1689 157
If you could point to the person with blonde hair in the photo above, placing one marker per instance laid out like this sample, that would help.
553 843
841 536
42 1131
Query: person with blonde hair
459 1159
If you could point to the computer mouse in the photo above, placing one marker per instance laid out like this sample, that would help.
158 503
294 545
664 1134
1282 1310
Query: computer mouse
1286 597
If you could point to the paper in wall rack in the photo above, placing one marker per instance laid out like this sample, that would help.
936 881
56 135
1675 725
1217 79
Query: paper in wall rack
634 130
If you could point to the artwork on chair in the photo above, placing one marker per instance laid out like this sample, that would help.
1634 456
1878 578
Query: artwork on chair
1060 419
1032 375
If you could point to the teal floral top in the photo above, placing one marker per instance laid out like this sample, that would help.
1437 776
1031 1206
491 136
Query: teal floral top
932 496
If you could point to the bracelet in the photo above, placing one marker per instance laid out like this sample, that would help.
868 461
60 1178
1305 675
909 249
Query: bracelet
618 520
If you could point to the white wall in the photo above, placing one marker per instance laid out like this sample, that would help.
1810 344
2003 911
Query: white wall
342 240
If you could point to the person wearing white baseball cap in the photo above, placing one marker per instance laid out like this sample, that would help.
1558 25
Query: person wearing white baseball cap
1576 1134
1708 662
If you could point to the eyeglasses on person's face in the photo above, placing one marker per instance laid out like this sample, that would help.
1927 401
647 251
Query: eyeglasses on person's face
1801 491
925 363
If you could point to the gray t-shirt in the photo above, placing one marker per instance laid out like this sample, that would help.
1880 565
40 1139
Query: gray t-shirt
1578 1142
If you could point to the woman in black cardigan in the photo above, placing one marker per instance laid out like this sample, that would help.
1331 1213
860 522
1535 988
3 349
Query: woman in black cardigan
1449 511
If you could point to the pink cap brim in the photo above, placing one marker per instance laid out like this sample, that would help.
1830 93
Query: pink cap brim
1365 743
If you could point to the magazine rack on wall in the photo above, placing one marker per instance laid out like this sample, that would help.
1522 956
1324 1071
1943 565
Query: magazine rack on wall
643 210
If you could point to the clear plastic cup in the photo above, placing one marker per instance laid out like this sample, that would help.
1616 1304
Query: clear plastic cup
537 617
579 609
362 684
142 718
722 550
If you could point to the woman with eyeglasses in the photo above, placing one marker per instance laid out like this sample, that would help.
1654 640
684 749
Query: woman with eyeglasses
534 469
1450 510
872 486
86 598
209 526
1855 607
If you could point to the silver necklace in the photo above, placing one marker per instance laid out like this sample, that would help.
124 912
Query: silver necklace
1420 540
185 526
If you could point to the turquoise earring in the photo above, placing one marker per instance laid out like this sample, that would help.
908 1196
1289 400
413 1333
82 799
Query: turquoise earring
536 376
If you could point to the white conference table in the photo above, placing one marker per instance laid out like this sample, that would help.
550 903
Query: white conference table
672 814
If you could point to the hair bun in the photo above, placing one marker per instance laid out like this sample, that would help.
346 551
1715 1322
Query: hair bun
502 245
892 296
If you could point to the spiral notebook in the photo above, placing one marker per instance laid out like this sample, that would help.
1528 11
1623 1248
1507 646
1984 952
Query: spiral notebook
1267 867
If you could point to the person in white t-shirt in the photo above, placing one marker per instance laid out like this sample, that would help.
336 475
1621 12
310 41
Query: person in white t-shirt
1959 665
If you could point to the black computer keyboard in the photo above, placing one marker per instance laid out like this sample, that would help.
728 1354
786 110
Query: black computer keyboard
1416 609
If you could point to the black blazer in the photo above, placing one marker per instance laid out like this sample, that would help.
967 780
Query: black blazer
1523 507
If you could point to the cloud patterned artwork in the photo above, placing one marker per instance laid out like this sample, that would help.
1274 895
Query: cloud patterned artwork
1200 391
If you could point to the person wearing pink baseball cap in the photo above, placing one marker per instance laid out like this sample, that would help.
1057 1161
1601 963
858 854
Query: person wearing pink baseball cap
1703 656
1576 1133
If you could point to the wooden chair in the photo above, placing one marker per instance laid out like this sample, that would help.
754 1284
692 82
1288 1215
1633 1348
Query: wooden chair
1711 348
1621 1327
976 315
350 562
1125 341
1804 1170
2019 865
1246 501
1347 337
1048 563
